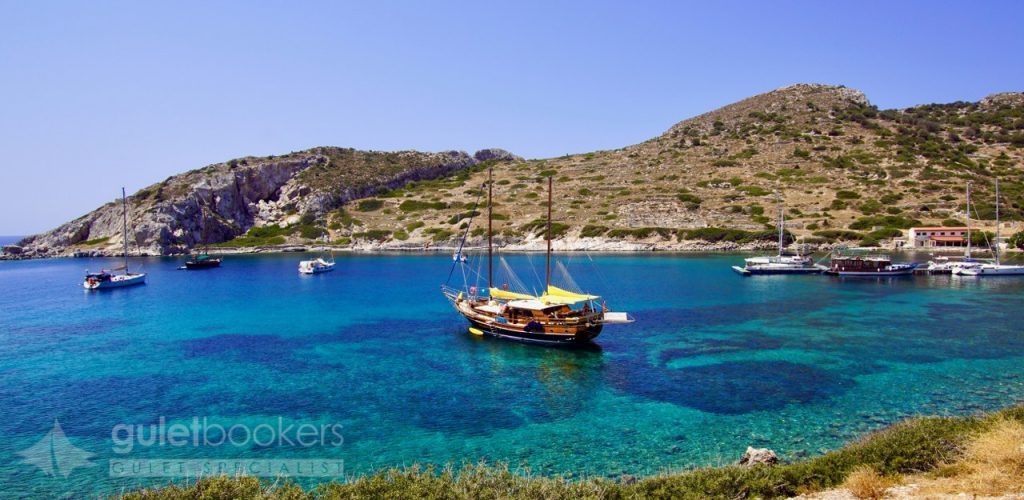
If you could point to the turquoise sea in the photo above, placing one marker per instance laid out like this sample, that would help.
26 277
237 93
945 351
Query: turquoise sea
369 367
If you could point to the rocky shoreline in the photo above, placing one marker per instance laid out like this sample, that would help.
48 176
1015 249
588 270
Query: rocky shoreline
528 245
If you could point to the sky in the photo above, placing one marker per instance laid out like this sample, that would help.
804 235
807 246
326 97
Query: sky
100 94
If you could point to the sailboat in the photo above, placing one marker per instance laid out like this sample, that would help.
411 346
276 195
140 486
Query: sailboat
558 317
946 265
105 279
994 268
783 263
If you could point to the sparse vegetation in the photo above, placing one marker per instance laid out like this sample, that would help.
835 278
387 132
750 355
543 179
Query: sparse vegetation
949 455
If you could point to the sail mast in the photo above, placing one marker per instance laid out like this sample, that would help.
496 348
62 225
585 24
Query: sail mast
781 225
547 278
968 253
995 249
124 219
490 258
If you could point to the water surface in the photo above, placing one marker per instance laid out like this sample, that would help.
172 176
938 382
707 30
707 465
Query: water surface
715 363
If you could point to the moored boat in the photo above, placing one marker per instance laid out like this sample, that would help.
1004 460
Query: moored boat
316 266
105 279
858 264
953 265
783 263
558 317
202 261
995 268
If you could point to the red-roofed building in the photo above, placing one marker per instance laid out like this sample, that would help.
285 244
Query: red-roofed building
931 237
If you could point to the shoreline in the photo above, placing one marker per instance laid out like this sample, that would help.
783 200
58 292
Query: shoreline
589 245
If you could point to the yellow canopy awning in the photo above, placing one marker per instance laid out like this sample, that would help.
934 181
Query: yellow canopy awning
555 295
497 293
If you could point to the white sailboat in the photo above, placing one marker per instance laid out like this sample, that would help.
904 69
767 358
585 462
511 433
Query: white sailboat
783 263
994 268
947 265
105 279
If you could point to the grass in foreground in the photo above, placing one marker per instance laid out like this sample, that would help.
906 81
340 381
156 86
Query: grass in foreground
981 455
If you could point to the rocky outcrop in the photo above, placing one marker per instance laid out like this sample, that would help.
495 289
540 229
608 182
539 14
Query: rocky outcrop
758 456
220 202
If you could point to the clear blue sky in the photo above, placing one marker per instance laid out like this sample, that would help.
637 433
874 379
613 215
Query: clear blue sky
102 94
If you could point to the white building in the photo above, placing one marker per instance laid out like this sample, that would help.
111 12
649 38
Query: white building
933 237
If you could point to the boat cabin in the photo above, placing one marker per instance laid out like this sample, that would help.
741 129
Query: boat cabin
860 263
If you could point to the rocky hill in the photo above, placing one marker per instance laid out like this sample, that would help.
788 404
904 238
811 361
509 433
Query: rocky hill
843 169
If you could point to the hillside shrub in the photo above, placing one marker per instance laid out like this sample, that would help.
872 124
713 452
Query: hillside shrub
870 207
884 221
1017 240
416 205
691 201
311 232
641 232
539 227
715 234
885 233
465 215
370 205
592 231
373 235
838 235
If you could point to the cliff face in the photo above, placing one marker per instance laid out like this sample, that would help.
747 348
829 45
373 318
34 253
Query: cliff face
223 201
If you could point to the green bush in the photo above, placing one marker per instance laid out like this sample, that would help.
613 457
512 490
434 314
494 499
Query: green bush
846 195
691 201
884 221
439 234
885 233
373 235
715 234
1017 240
370 205
870 207
838 235
640 232
465 215
95 241
591 231
311 232
415 205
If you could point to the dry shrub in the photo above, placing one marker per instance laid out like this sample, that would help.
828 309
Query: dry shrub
996 459
865 482
992 464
